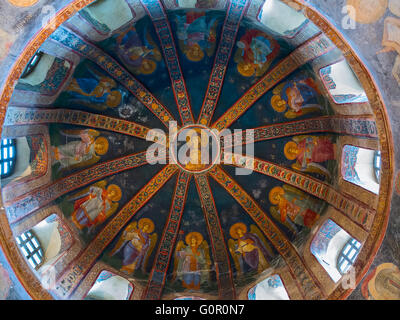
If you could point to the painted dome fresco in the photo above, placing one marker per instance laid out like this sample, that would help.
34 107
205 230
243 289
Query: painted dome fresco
192 149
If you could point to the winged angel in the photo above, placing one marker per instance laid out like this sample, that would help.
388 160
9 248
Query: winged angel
309 152
93 205
136 245
249 250
80 153
192 261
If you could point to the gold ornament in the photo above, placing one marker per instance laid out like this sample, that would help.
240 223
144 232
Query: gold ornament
275 194
114 192
291 150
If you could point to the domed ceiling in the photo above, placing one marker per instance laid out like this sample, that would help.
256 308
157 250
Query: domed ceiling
96 119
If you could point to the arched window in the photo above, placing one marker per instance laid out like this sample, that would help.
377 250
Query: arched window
109 286
7 157
32 64
348 255
31 249
271 288
361 166
335 249
377 165
281 18
342 84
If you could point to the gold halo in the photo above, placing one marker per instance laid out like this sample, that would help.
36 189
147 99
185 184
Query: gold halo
290 155
197 235
195 57
117 100
117 190
246 69
150 69
23 3
274 103
367 11
147 221
103 143
274 192
233 229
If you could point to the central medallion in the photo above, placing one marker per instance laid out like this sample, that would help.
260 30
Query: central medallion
195 148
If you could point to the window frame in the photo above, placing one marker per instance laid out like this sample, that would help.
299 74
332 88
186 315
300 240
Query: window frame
28 253
8 144
377 165
344 256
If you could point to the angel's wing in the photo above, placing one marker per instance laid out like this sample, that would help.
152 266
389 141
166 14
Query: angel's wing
206 252
101 184
177 260
156 51
83 164
260 235
304 110
153 241
235 256
72 133
113 208
97 74
297 139
123 238
278 89
294 190
213 30
313 167
75 133
275 214
261 71
238 55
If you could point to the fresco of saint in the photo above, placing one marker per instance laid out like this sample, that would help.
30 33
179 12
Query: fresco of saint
95 204
192 261
95 91
383 283
140 55
309 151
292 206
255 53
196 35
136 245
80 153
297 95
195 142
249 250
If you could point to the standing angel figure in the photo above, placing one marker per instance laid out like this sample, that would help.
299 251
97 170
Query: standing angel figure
95 204
255 53
249 250
296 98
309 151
80 153
140 54
196 35
136 245
95 90
293 207
192 261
